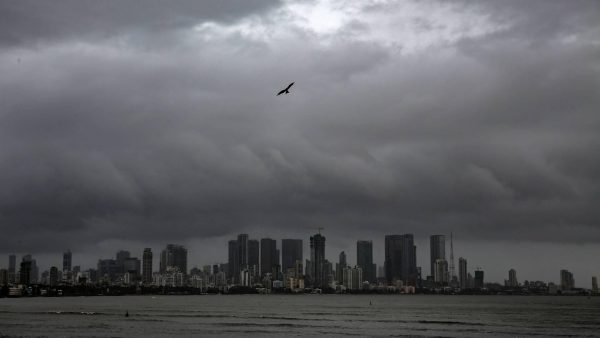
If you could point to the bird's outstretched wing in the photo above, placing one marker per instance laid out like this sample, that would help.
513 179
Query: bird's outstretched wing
289 86
281 92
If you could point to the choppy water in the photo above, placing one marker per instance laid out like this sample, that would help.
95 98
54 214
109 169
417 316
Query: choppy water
301 315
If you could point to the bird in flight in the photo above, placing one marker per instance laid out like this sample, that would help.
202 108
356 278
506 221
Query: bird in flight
285 91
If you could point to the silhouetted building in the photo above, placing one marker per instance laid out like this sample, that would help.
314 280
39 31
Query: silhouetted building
268 256
595 285
25 272
173 256
122 255
253 255
364 260
340 267
566 280
12 268
147 266
291 251
67 260
33 273
318 273
242 251
107 269
232 262
478 280
132 266
462 273
512 278
3 277
440 273
400 259
54 275
437 250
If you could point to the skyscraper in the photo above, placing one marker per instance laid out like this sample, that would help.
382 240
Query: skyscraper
33 272
440 273
12 268
512 278
67 260
340 268
25 272
107 269
567 282
437 250
595 285
54 276
232 262
462 273
400 259
122 255
291 251
131 266
253 253
317 261
147 266
478 282
173 256
242 250
364 259
268 255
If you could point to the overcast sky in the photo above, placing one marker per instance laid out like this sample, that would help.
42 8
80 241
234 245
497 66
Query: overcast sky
131 124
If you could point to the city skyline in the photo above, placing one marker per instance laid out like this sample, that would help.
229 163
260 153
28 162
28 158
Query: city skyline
124 254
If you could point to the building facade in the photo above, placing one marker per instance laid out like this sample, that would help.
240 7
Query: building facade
437 250
268 256
400 259
364 260
291 252
319 275
147 266
173 256
462 273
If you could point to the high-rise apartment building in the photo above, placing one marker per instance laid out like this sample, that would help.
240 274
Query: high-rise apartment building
567 282
340 267
12 268
462 273
54 276
268 256
147 266
33 273
232 261
478 282
253 254
400 259
440 273
437 250
364 260
317 261
67 260
291 251
173 256
512 278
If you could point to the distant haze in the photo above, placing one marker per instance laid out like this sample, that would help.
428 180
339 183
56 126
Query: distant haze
129 124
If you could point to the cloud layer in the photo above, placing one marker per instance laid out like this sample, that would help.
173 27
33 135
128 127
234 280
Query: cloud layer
137 122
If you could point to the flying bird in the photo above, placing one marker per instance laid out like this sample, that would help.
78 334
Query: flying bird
285 91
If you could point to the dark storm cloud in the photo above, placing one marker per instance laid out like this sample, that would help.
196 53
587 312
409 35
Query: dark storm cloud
30 21
491 133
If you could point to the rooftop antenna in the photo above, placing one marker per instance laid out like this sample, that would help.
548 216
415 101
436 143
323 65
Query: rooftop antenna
451 258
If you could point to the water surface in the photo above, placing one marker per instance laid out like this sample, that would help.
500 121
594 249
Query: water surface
302 315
